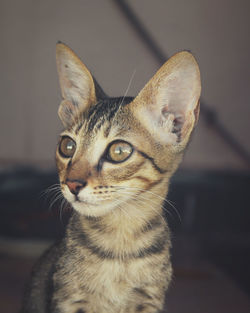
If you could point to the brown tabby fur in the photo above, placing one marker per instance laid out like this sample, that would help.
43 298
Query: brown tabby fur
115 255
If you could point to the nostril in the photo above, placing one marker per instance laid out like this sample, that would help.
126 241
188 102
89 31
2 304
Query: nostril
75 185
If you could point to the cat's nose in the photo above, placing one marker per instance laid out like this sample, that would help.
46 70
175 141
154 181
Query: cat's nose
75 185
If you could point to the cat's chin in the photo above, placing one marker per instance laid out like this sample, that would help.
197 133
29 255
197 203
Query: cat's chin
94 210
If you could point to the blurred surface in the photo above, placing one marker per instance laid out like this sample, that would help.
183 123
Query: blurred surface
216 32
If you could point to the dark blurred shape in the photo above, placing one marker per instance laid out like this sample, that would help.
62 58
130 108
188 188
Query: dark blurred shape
29 208
211 202
214 209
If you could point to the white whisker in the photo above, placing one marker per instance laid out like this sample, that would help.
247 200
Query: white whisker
129 84
58 196
148 192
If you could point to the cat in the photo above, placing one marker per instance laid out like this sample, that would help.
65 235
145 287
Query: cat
114 160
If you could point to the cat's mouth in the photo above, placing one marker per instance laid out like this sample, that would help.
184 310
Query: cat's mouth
89 202
91 207
80 201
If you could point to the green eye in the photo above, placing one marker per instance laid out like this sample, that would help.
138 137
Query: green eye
67 147
119 151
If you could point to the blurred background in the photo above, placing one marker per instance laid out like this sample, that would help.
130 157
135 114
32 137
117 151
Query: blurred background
209 212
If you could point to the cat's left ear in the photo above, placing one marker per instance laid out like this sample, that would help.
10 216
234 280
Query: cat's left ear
168 105
76 82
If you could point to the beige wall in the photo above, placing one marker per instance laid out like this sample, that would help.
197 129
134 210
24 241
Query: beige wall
216 31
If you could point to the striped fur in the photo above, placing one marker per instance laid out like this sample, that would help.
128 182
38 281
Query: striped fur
114 257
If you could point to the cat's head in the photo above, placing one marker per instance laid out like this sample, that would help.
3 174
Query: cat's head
115 149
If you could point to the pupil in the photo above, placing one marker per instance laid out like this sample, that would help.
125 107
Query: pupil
70 146
118 150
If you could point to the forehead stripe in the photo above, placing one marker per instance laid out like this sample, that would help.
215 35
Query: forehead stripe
103 111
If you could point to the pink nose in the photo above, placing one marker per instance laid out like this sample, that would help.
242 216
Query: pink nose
75 185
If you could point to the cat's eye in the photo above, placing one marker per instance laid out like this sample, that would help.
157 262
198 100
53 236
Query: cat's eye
67 147
119 151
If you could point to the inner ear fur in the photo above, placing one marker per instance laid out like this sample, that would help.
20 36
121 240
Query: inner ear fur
168 105
76 82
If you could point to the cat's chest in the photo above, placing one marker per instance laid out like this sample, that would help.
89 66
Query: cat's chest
112 275
109 278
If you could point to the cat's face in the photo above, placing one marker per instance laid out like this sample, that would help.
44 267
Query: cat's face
115 149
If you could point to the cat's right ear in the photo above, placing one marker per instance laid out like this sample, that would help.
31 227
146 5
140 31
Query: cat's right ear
76 82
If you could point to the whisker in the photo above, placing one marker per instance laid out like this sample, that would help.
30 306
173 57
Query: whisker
48 190
174 208
62 207
141 189
58 196
148 192
129 84
143 201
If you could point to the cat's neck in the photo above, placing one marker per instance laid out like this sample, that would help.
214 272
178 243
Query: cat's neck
125 230
132 214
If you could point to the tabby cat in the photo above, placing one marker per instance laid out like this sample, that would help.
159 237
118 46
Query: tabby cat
114 159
